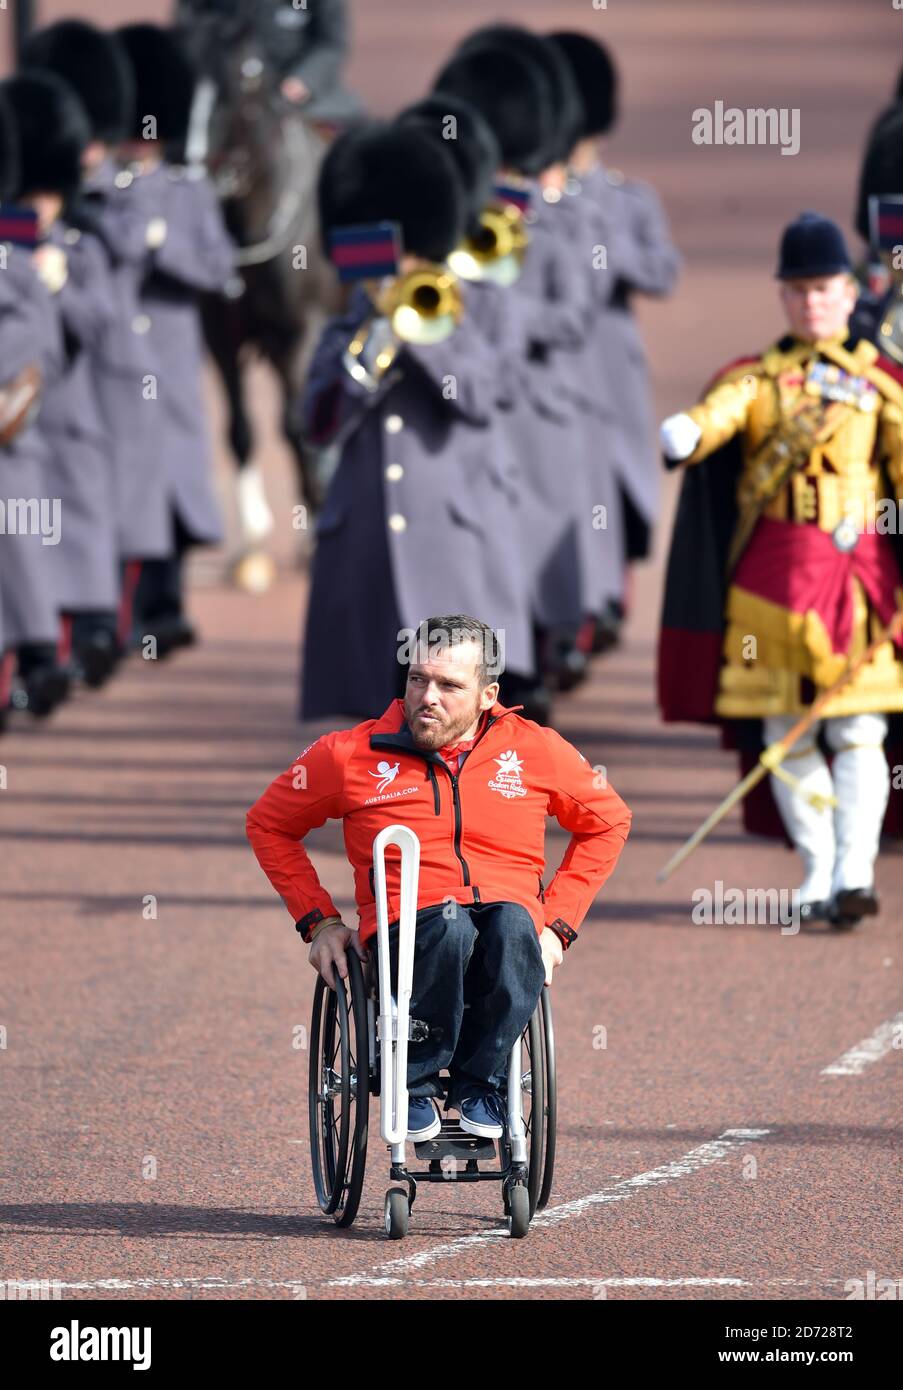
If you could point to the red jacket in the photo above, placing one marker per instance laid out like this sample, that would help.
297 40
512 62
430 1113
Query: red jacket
482 832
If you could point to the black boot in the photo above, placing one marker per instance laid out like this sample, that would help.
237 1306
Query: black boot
607 633
95 647
44 683
850 905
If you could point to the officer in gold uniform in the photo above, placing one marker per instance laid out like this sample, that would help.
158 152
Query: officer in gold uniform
811 567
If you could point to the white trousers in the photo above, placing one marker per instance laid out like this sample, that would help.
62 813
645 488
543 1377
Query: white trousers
838 848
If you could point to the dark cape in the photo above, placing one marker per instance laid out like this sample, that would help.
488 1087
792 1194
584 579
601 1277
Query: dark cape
692 625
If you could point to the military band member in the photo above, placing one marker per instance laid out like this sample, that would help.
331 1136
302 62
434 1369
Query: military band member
407 519
879 221
53 133
458 128
511 92
93 62
30 338
581 231
190 251
792 458
643 260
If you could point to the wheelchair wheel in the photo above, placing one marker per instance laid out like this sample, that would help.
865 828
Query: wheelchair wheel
534 1091
534 1110
339 1092
396 1213
551 1099
519 1212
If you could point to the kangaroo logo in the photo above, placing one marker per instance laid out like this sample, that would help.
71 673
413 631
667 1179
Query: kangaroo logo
387 772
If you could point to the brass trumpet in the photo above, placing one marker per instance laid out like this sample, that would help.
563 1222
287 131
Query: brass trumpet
890 330
496 251
424 306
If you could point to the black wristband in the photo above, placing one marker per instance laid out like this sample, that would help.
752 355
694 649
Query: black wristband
306 924
566 935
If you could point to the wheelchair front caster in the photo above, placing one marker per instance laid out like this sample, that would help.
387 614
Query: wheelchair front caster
397 1213
518 1209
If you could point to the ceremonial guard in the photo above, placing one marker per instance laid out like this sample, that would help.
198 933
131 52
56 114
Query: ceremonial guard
510 91
783 571
189 251
487 261
31 359
641 259
879 221
410 514
53 133
581 232
94 64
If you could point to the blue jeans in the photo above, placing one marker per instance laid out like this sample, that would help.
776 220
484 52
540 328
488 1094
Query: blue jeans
478 975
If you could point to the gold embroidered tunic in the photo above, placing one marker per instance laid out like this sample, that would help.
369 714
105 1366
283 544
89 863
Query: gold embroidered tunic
850 488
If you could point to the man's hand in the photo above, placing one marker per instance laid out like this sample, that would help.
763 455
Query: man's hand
552 951
329 948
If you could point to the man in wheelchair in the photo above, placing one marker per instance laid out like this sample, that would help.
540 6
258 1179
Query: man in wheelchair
475 781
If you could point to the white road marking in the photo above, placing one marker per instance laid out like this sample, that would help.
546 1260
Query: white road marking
716 1151
639 1281
854 1062
643 1281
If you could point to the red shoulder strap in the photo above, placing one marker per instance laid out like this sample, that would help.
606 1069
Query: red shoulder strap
893 369
723 371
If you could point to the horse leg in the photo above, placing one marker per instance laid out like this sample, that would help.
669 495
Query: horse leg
222 327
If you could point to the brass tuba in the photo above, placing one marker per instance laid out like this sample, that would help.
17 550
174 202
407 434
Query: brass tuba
423 306
496 251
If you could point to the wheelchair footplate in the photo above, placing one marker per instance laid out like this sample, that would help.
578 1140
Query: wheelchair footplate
454 1142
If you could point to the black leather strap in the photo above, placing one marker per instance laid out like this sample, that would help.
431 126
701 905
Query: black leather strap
306 924
565 934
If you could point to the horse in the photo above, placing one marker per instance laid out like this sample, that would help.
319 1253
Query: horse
263 158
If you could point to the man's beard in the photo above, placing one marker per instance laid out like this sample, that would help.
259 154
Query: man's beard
433 735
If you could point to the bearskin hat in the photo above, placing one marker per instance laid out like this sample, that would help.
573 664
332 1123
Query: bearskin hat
469 141
164 81
394 173
52 130
565 125
596 77
95 65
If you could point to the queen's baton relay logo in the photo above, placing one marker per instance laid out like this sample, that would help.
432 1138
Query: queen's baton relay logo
507 779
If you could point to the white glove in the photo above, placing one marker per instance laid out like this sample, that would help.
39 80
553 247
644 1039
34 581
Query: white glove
155 234
679 435
52 267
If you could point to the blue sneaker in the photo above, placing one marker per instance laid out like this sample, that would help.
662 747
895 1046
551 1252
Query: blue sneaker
423 1119
483 1114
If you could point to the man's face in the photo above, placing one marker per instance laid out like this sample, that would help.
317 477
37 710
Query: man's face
443 701
818 306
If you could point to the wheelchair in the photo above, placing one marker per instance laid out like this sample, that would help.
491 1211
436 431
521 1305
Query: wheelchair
358 1048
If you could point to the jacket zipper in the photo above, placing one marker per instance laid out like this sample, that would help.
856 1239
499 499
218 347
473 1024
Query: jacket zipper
453 777
457 805
432 776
